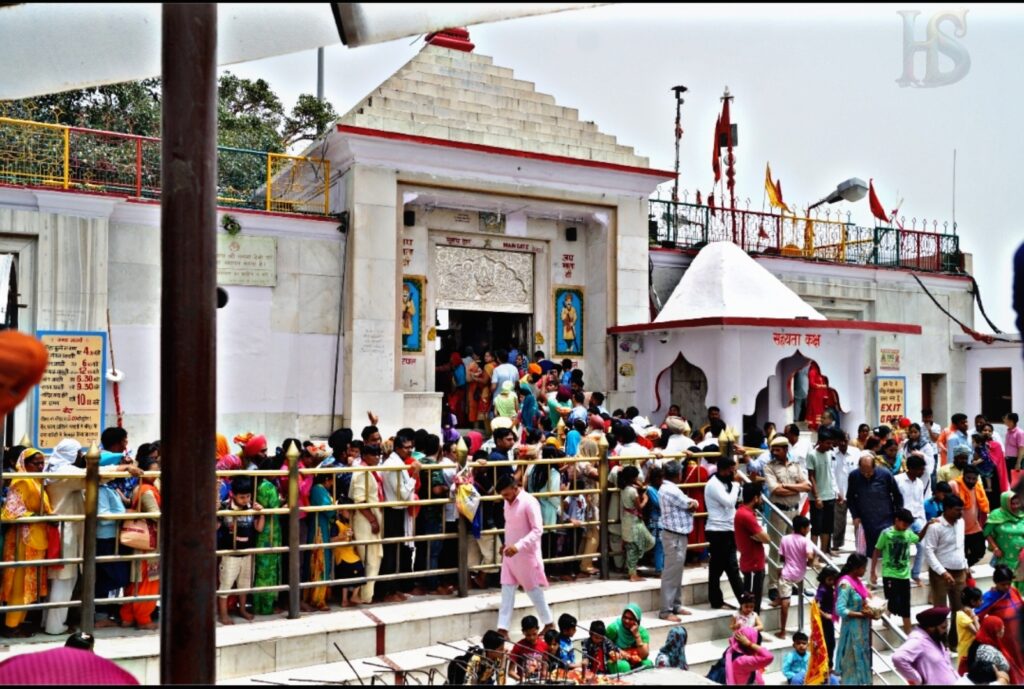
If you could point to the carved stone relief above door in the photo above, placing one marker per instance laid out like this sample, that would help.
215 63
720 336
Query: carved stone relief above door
484 280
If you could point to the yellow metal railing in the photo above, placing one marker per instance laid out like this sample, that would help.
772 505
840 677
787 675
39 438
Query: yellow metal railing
54 156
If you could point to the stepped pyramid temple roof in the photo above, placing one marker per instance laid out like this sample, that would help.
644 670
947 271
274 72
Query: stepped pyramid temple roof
725 282
456 95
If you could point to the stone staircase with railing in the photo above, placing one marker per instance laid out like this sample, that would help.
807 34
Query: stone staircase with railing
417 637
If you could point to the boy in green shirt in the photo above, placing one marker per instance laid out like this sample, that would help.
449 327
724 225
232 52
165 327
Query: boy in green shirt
893 548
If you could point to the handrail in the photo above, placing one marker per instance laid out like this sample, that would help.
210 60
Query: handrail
886 622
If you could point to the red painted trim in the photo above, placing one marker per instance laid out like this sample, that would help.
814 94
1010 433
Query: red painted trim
736 321
495 150
381 644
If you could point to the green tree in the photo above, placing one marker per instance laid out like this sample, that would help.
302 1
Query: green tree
310 118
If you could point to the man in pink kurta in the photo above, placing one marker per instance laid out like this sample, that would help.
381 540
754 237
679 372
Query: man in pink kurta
522 564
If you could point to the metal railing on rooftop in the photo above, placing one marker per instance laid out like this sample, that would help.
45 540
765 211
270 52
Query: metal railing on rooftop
691 226
58 157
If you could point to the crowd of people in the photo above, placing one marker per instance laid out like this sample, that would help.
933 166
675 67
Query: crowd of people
914 488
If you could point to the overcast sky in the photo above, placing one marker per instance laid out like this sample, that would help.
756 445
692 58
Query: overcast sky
816 95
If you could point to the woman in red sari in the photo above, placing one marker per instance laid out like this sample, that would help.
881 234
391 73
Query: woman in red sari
817 395
1005 602
695 473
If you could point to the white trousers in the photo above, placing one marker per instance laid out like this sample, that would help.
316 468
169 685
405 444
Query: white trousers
60 591
508 602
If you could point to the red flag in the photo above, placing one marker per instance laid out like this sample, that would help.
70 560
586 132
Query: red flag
699 198
761 234
876 205
715 166
725 124
711 203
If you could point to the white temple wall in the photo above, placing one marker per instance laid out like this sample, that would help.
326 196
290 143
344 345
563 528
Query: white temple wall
275 344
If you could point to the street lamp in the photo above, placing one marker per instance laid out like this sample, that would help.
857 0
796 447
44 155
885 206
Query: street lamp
852 189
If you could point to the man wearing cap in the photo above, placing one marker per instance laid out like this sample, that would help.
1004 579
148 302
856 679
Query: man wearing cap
786 482
961 458
922 659
679 441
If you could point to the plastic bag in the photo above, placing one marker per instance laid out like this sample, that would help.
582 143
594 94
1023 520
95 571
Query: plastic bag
862 541
467 500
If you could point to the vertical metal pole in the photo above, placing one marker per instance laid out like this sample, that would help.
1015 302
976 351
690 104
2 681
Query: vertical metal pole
293 533
138 168
67 157
602 485
464 556
320 74
188 343
267 194
92 483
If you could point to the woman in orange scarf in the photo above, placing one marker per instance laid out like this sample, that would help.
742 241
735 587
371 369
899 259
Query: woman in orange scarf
24 542
145 573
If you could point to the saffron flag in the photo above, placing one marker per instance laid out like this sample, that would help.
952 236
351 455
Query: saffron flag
817 650
774 190
876 206
715 165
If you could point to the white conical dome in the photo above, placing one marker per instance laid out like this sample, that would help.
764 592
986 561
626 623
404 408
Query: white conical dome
724 282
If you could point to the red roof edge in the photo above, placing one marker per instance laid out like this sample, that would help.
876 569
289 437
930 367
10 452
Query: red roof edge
496 150
800 323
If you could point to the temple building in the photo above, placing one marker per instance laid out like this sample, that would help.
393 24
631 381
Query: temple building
456 207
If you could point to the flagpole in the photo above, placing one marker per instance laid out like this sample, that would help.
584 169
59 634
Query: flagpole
679 91
730 169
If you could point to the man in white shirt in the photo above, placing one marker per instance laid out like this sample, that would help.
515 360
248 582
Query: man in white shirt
798 446
947 562
844 461
912 488
721 494
398 486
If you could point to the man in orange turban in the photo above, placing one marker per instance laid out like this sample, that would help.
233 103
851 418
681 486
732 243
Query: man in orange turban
22 364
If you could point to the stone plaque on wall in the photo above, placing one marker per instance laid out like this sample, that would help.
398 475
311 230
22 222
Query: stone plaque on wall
250 261
484 280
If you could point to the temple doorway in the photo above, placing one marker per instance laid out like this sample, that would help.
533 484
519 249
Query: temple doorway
458 332
806 387
689 391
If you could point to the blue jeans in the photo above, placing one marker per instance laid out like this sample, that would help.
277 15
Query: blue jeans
919 557
428 553
659 549
799 679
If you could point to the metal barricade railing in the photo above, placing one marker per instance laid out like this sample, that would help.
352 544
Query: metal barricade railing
595 486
